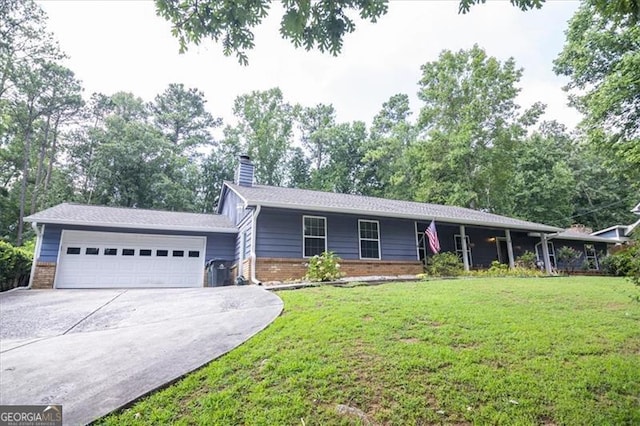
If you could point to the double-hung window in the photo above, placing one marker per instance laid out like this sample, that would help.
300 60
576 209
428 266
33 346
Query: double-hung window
314 235
369 231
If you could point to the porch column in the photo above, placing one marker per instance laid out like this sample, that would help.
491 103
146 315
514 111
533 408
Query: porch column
545 253
507 234
465 251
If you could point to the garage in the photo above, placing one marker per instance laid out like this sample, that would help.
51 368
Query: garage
91 259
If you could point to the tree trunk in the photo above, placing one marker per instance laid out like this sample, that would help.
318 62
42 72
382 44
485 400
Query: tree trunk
23 186
41 155
52 155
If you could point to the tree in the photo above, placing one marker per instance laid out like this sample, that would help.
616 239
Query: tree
264 132
544 184
181 115
384 170
469 126
602 59
320 24
314 124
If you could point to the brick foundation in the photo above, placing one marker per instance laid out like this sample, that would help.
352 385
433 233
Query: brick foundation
44 275
280 269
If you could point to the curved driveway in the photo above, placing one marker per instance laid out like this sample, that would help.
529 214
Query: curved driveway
94 351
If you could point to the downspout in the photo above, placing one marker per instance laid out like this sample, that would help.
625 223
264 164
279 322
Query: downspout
254 232
36 252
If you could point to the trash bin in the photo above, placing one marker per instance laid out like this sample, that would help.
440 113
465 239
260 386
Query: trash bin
217 272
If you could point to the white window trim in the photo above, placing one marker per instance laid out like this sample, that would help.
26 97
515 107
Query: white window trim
552 253
360 239
458 247
594 257
312 236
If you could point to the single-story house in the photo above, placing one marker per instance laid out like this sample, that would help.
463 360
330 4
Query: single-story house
268 233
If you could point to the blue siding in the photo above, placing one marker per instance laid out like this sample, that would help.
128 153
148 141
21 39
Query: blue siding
280 235
230 203
612 233
245 228
219 246
50 243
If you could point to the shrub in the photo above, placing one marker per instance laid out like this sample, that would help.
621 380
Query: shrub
445 265
15 266
527 260
498 269
324 267
569 258
624 262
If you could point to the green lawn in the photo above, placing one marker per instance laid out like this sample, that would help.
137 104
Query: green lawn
498 351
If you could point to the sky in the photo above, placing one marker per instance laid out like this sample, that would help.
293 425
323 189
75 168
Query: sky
123 46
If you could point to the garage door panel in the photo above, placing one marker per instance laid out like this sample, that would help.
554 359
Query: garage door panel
102 270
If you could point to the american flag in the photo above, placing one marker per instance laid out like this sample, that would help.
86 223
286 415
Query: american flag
432 235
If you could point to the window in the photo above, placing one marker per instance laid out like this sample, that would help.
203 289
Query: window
314 235
194 253
110 252
91 251
458 244
590 256
73 250
162 253
128 252
552 253
178 253
145 252
369 239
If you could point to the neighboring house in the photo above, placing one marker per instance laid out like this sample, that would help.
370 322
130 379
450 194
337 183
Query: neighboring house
268 233
622 233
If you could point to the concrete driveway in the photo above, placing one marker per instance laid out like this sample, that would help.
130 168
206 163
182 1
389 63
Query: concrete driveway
94 351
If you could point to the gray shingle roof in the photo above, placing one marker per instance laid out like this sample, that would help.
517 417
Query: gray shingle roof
81 214
579 236
303 199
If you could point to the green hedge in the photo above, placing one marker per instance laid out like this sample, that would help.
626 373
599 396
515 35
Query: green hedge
15 266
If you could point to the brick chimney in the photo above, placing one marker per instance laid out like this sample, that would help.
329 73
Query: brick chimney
244 173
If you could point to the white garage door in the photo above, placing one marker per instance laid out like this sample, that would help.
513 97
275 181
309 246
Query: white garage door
108 259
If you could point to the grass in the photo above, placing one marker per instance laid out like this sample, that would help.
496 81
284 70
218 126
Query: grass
485 351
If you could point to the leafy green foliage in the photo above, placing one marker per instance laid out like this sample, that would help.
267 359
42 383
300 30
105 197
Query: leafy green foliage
602 59
15 266
498 269
324 267
319 24
526 260
444 264
568 257
481 351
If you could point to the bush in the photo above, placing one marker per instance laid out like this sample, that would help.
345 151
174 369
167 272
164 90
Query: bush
15 266
445 265
324 267
498 269
569 258
527 260
623 262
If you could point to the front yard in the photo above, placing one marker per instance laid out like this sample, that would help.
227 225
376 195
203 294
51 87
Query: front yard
488 351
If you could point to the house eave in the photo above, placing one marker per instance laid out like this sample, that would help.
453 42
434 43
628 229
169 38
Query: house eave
586 237
541 228
134 226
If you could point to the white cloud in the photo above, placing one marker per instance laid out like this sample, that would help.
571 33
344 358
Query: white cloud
118 45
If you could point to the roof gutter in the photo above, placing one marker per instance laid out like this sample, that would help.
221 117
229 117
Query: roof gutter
36 251
539 228
254 233
138 226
